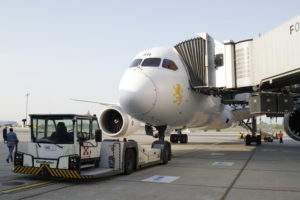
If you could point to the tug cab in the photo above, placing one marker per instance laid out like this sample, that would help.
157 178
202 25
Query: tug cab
71 146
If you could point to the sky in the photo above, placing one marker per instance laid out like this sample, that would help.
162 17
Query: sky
61 49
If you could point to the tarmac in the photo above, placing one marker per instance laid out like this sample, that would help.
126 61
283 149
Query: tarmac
213 165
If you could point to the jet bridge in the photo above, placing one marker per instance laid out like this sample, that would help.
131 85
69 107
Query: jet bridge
266 67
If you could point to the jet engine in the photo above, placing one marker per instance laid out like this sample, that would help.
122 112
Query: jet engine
114 122
291 124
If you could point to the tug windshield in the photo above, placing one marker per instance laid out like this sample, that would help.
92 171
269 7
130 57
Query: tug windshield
55 131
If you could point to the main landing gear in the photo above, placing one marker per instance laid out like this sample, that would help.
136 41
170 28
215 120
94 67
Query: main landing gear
250 138
179 137
159 132
251 125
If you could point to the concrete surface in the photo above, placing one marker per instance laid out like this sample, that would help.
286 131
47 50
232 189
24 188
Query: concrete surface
269 171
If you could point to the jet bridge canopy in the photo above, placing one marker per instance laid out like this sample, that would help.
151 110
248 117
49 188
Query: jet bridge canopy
193 54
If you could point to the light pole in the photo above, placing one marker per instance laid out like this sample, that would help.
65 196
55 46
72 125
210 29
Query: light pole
27 95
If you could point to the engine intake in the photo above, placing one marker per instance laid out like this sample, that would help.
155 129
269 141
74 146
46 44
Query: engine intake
115 122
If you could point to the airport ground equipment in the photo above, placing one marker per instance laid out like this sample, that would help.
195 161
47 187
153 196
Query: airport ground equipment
71 146
268 139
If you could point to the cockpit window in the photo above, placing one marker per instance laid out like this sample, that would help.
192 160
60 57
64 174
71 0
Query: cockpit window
136 62
151 62
169 64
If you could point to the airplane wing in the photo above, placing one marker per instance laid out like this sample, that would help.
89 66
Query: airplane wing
96 102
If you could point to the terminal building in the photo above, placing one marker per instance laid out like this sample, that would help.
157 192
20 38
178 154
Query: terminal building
8 123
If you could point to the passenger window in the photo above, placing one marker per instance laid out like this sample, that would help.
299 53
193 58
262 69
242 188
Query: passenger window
151 62
136 62
169 64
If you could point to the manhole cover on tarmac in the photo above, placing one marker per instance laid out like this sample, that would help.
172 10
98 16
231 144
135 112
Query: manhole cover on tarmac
13 183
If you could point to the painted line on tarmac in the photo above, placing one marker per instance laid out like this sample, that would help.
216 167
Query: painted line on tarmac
161 179
24 187
223 164
238 175
187 151
217 154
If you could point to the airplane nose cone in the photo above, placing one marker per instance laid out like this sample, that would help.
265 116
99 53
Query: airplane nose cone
137 93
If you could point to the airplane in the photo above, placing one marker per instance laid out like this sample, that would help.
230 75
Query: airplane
155 89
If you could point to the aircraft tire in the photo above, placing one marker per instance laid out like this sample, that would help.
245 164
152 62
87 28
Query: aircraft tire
248 140
174 138
258 140
183 138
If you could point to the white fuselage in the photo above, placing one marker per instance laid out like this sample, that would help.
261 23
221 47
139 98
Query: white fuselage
160 96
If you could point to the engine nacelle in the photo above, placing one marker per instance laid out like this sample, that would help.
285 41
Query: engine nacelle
291 124
114 122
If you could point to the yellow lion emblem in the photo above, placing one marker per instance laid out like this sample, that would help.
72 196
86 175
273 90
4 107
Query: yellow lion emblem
177 94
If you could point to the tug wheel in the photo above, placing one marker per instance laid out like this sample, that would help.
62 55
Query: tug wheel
130 161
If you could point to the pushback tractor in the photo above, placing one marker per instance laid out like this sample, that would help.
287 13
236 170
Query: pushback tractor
71 146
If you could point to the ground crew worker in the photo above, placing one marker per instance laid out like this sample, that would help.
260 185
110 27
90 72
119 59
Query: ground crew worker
280 137
12 141
241 136
5 134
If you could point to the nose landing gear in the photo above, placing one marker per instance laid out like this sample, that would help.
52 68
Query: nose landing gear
159 132
156 131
